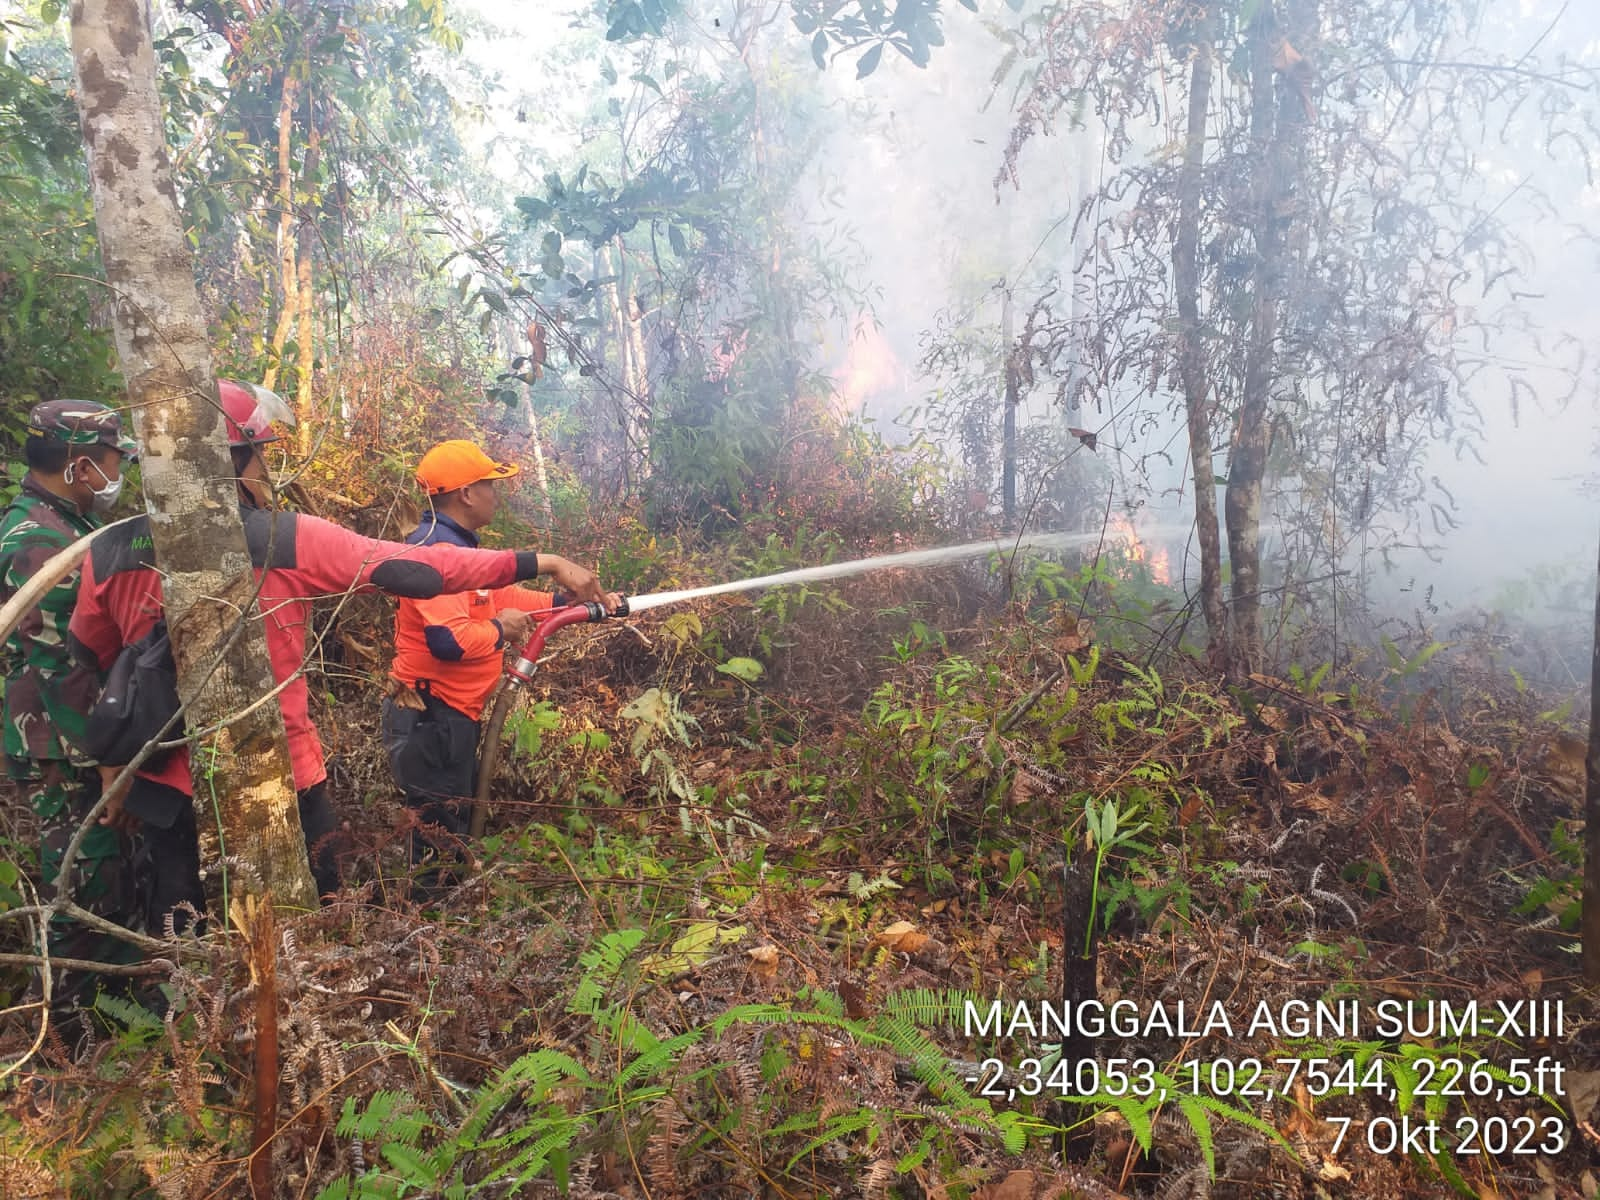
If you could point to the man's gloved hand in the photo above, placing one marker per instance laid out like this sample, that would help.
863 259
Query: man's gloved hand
579 583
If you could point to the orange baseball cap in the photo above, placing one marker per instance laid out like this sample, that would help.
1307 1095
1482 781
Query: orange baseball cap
455 464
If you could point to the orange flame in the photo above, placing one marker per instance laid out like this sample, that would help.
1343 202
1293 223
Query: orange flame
1157 563
870 367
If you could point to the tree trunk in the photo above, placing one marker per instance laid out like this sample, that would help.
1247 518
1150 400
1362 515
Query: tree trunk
1192 367
641 360
637 377
624 404
1008 418
243 789
541 474
1080 991
643 409
286 238
1591 814
1277 123
305 335
261 935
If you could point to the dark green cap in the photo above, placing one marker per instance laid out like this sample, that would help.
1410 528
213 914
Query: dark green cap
80 423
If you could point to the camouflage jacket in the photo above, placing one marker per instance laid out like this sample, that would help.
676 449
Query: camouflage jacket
45 695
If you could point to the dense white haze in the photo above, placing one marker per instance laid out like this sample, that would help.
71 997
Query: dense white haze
911 171
926 194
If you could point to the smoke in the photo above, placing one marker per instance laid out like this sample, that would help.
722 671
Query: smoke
1516 521
945 242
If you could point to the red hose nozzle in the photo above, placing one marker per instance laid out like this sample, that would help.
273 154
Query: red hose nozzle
523 666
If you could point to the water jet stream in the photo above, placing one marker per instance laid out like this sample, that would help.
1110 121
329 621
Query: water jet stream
882 562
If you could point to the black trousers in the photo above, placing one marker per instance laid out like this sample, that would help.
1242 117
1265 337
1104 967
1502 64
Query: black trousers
173 845
433 755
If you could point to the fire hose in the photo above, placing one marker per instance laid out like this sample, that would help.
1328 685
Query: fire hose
520 673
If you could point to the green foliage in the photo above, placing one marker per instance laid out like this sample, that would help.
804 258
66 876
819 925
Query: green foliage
924 734
1402 666
1108 831
475 1156
11 873
536 1117
1310 685
748 670
911 27
49 345
1137 708
149 1109
729 426
527 725
632 558
920 638
630 19
1558 890
960 776
589 208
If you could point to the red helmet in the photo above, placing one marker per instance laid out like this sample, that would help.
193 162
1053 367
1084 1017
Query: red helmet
251 410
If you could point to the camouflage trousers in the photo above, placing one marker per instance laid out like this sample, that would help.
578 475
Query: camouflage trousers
102 881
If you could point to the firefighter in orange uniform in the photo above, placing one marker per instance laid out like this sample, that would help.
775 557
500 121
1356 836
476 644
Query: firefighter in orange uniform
449 655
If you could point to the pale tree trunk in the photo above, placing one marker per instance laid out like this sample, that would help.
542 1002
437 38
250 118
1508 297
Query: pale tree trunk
1277 124
619 319
1008 415
636 377
306 426
1192 367
1591 813
510 336
610 420
286 238
246 794
641 378
541 475
636 429
624 415
601 268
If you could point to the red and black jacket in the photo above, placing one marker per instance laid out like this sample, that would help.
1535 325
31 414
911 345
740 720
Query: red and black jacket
298 559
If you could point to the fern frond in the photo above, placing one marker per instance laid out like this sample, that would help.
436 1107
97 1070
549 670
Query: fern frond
538 1071
778 1014
747 1070
661 1156
1193 1184
387 1112
135 1017
662 1055
1200 1122
932 1006
958 1122
837 1128
602 964
875 1186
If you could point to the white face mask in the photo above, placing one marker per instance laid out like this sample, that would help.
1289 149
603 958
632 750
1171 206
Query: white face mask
105 496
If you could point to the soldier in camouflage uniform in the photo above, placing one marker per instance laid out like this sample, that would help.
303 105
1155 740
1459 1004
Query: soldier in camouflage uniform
75 450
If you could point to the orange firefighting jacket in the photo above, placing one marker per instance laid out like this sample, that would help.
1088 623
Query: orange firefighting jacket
453 646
